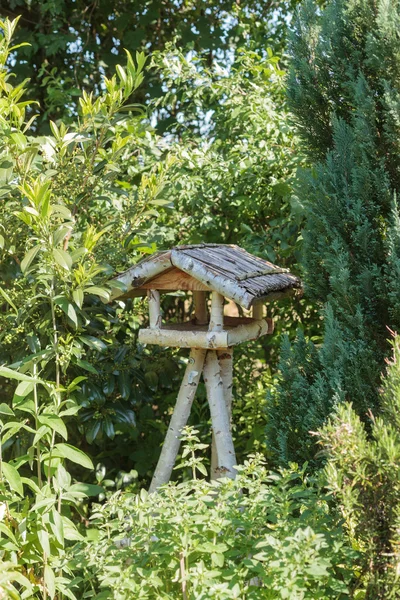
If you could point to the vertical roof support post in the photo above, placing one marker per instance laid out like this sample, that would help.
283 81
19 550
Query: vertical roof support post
257 311
217 312
200 307
154 309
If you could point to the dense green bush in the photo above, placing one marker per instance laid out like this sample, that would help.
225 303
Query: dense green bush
364 474
263 535
344 93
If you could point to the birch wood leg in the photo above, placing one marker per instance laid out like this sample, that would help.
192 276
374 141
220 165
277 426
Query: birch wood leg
225 359
219 417
179 419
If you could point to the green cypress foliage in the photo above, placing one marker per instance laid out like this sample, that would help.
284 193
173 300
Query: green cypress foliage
344 91
364 474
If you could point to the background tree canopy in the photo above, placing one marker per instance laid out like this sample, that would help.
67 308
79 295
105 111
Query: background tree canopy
73 44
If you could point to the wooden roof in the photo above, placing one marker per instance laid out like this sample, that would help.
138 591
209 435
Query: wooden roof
228 269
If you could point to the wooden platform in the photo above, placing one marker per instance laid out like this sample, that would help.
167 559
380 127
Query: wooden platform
189 335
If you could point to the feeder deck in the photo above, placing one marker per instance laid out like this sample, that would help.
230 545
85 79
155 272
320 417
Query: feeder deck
190 335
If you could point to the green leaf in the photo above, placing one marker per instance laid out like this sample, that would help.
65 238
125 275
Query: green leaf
44 540
217 559
13 478
8 299
24 388
98 291
41 432
74 455
87 366
6 410
62 258
68 308
70 531
87 488
28 258
11 374
93 342
78 297
19 140
12 428
50 581
56 525
75 383
55 423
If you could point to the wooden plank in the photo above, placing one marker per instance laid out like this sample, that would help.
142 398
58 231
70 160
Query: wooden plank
175 279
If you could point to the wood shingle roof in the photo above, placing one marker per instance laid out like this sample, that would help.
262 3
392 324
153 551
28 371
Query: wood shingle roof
228 269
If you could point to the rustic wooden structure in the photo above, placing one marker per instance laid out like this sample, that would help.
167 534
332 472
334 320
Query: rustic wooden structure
223 271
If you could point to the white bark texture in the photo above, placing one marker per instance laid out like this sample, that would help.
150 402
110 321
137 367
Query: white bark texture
179 419
143 271
219 417
249 331
217 312
222 284
225 359
175 338
154 309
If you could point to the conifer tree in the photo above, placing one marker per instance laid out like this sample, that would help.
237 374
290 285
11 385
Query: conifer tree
344 91
363 472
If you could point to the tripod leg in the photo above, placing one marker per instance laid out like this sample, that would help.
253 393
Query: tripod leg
219 417
225 359
179 419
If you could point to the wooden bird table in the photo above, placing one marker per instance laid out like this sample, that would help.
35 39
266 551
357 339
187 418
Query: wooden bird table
224 270
211 355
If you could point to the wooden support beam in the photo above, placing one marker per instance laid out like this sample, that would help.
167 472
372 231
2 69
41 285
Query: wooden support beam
187 336
179 419
219 417
154 309
200 307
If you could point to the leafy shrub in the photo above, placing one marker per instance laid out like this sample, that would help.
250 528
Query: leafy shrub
364 474
263 535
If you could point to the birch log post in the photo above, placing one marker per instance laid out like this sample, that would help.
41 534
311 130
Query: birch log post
225 360
154 309
200 307
258 310
217 312
216 324
179 419
219 417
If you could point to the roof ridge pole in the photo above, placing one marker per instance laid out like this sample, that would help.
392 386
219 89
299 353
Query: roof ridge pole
179 419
